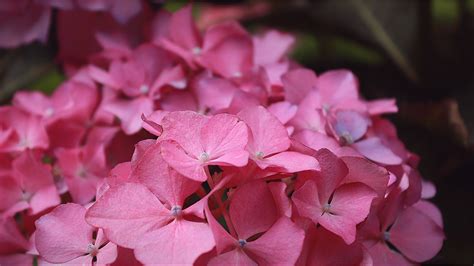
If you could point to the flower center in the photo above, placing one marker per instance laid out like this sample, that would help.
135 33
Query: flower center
92 250
327 208
346 138
196 51
204 157
144 89
242 242
179 84
48 112
259 155
176 211
386 236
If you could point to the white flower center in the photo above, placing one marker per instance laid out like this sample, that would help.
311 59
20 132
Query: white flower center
204 157
144 89
48 112
259 155
196 51
176 211
242 242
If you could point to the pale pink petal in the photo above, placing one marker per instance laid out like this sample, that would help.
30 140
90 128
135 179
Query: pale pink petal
382 106
107 254
336 86
381 254
269 136
289 162
350 126
184 127
168 185
364 171
271 47
213 93
282 202
63 234
284 111
252 209
234 257
128 212
180 242
430 210
333 171
222 134
416 235
428 189
178 159
307 202
375 150
130 112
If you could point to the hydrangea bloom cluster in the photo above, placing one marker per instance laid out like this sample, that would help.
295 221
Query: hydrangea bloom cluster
211 148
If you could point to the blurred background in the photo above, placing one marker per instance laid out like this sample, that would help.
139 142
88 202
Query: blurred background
417 51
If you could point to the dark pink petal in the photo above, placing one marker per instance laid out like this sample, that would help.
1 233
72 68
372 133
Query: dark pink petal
182 29
375 150
24 25
269 136
123 10
180 242
298 83
63 234
416 235
252 209
329 249
281 244
10 192
11 239
234 257
168 185
16 259
127 212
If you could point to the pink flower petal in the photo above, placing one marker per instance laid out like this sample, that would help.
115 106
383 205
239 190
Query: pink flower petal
375 150
168 185
180 242
63 234
416 235
298 83
252 209
268 136
127 212
281 244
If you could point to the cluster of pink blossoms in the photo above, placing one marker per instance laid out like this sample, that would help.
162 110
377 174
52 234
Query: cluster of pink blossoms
242 157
